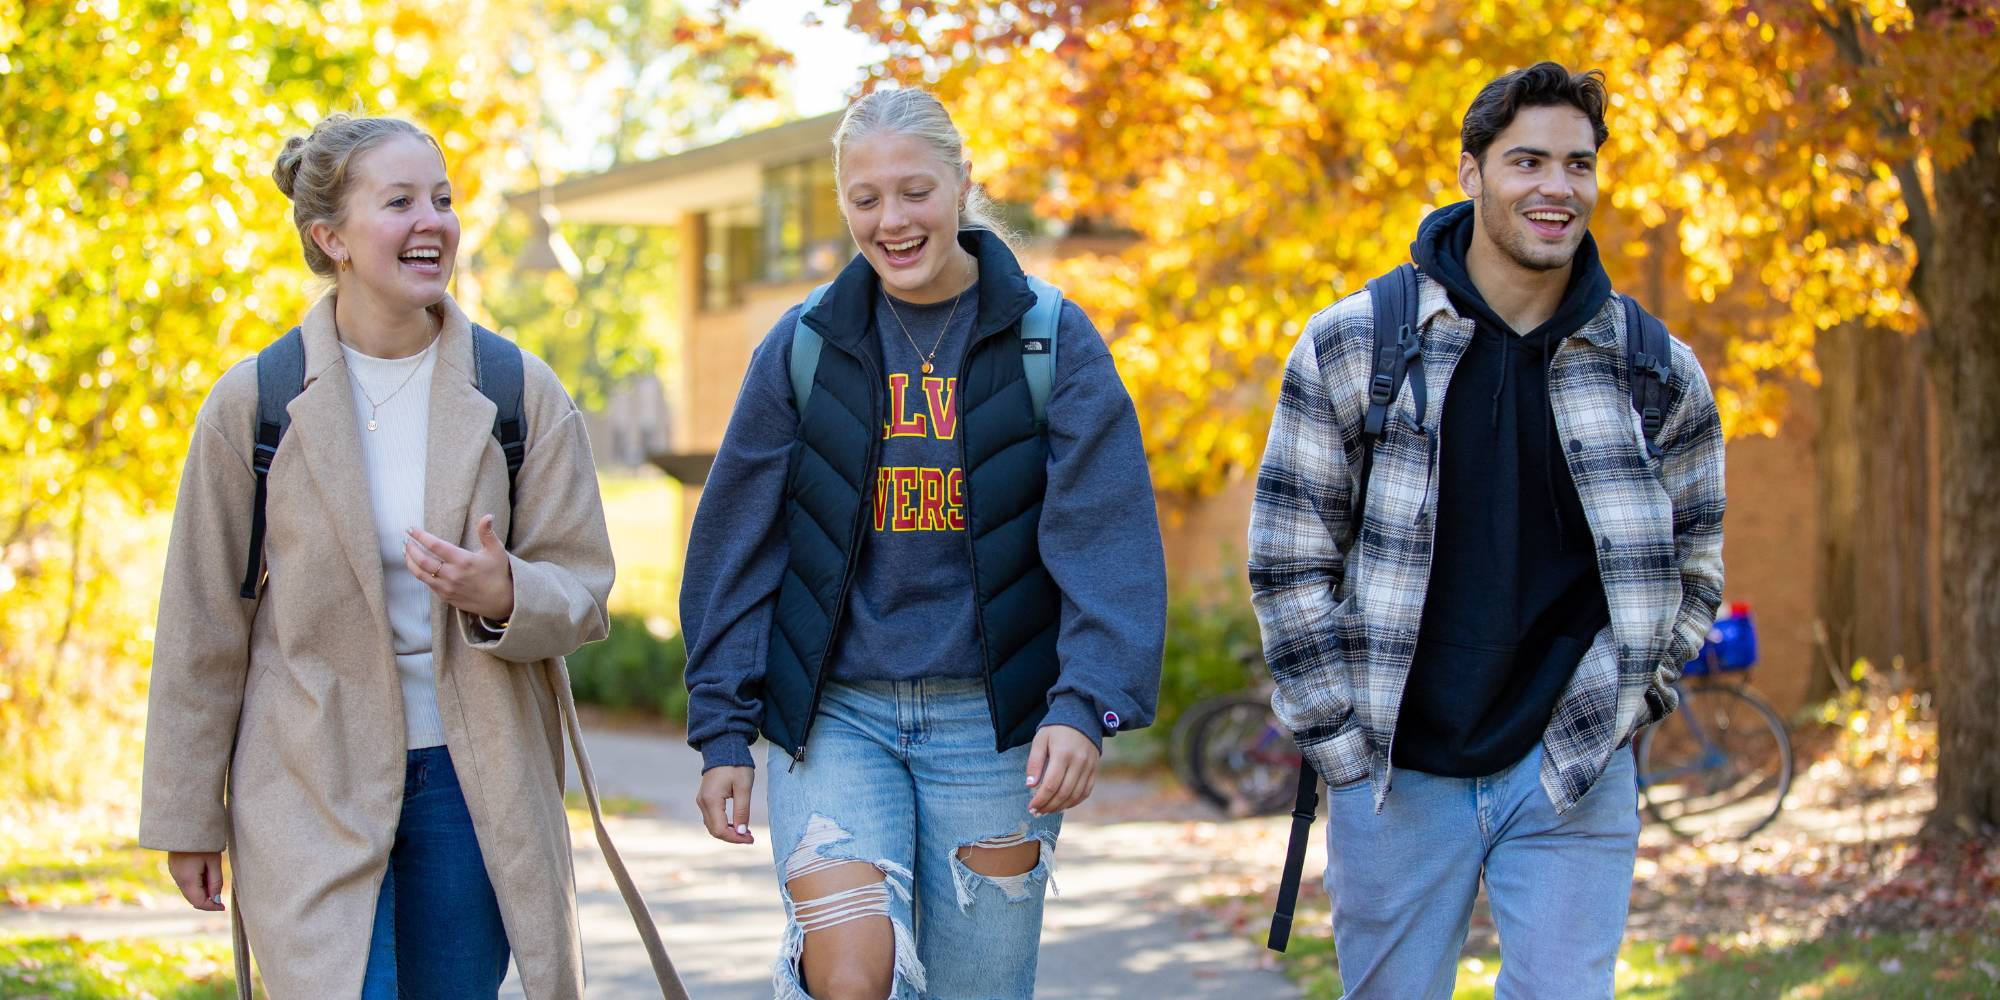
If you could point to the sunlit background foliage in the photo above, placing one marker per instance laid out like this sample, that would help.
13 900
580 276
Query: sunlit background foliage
146 249
1272 157
1244 164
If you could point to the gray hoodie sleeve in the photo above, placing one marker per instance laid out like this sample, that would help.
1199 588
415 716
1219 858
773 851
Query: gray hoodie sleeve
1100 539
736 559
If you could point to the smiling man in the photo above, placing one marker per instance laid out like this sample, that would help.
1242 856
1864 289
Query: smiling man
1471 602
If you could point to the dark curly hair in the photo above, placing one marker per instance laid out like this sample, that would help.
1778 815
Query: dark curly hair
1545 84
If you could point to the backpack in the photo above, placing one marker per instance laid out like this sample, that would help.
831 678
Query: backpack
1397 345
281 374
1038 347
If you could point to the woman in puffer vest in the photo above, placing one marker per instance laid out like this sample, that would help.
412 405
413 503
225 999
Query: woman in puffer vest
927 569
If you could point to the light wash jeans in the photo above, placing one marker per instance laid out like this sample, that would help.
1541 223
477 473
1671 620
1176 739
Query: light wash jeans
901 774
437 923
1402 881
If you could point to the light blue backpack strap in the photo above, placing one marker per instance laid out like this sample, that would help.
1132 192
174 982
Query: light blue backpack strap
1038 345
806 344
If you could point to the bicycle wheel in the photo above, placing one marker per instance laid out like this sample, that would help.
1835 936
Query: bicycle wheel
1241 759
1719 767
1180 747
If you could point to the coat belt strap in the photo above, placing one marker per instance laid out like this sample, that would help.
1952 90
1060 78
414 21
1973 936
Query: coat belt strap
642 918
239 944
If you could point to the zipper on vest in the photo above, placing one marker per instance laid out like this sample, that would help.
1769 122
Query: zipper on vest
853 552
972 556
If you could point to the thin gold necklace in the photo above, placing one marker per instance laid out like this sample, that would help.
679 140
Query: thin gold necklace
932 356
373 404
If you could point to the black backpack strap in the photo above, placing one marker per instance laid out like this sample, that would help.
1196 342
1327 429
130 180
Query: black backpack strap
1303 809
1393 296
1397 357
1647 358
281 374
496 368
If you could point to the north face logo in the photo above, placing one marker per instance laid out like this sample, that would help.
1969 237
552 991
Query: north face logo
1034 346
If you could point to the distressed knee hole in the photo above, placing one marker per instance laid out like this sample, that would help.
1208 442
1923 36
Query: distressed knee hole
1002 856
844 937
827 893
1010 862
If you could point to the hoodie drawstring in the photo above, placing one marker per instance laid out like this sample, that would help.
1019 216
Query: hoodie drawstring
1548 435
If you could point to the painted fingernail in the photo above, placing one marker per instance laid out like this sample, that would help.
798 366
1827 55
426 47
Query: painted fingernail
743 829
1031 781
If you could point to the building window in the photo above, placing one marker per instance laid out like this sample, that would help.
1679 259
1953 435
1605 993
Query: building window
730 255
805 238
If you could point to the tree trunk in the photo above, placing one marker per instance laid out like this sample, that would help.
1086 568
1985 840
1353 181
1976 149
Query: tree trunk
1874 503
1960 293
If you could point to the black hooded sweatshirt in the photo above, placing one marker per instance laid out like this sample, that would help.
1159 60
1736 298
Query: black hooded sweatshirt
1515 598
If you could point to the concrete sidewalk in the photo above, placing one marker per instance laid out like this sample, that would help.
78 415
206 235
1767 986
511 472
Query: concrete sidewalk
1118 928
1127 868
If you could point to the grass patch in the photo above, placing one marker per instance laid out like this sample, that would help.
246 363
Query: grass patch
84 874
638 666
1903 965
613 805
1890 966
116 969
59 856
643 515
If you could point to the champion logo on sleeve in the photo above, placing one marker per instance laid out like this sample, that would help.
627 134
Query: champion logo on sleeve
1111 721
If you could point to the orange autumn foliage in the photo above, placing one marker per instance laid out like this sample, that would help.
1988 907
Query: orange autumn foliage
1268 158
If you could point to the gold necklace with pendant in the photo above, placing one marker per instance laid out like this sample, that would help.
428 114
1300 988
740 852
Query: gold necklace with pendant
373 405
932 356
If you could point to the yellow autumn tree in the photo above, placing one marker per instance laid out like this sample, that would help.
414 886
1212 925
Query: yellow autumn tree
146 249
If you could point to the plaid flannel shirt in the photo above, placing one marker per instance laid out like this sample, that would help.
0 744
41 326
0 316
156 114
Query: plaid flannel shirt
1340 607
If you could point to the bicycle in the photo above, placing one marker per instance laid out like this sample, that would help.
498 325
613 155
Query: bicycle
1720 764
1232 753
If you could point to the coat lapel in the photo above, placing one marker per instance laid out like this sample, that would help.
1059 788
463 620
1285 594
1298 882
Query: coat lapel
461 428
323 423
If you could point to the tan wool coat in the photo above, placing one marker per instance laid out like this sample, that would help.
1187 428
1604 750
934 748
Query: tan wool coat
275 727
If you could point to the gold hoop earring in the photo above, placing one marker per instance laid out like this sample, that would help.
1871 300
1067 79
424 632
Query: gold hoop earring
340 263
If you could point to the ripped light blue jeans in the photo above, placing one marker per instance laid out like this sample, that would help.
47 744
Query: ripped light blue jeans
901 774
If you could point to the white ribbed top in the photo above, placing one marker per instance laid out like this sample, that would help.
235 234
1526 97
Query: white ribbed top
395 453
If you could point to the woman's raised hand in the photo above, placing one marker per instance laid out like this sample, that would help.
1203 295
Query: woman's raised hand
477 583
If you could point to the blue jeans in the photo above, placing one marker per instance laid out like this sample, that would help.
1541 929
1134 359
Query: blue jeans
1402 881
437 923
901 774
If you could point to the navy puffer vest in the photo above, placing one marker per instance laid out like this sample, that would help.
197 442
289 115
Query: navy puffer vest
829 489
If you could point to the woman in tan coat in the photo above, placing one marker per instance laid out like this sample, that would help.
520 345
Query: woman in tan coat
375 735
